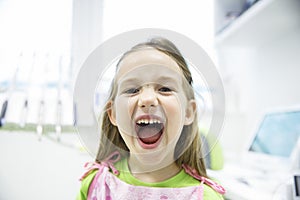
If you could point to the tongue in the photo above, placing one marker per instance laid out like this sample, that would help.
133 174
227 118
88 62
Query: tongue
149 134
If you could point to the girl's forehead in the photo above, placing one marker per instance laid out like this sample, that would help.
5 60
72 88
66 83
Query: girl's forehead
145 57
151 74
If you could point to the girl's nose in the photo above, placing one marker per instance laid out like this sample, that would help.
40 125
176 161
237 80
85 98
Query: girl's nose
147 98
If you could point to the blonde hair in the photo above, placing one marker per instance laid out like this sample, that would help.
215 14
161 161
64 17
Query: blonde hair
188 147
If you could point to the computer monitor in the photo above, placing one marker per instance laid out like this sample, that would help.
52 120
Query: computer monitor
278 134
276 138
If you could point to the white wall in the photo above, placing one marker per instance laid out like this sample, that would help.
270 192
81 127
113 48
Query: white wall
278 70
258 80
192 18
35 26
98 20
87 28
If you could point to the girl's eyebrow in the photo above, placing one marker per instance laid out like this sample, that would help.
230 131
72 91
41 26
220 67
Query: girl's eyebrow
129 81
160 79
167 79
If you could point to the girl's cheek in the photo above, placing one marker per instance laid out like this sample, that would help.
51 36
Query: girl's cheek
173 104
126 105
131 102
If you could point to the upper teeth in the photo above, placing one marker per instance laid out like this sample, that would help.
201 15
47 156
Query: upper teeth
148 121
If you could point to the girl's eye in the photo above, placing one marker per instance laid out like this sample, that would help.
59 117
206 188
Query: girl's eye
132 91
165 89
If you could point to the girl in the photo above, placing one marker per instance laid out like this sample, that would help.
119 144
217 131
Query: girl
150 143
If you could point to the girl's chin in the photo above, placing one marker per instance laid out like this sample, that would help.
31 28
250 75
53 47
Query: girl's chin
153 153
154 160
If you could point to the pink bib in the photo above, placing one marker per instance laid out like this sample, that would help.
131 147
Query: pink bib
106 186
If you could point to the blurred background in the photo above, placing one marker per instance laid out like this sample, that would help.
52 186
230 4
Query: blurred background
255 45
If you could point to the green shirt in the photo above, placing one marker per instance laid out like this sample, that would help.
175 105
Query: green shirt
181 179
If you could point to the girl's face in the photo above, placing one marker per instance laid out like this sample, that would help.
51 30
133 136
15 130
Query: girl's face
150 107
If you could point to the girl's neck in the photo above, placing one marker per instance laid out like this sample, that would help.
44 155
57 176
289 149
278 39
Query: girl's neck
151 174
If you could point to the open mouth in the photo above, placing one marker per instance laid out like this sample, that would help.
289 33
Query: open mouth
149 131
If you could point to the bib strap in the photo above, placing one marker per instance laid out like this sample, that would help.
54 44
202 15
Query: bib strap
207 181
108 162
111 160
89 167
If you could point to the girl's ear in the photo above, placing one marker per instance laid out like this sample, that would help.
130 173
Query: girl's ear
190 112
111 113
